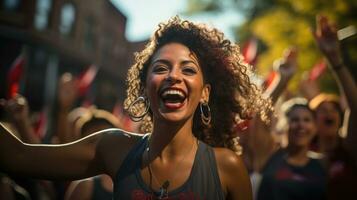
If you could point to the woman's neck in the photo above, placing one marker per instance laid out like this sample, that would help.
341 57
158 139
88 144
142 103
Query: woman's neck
297 156
169 140
327 144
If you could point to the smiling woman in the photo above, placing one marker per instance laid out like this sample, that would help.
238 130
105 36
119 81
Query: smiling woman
189 87
292 171
191 76
232 95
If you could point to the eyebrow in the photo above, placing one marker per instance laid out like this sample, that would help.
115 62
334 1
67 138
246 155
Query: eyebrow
182 62
161 61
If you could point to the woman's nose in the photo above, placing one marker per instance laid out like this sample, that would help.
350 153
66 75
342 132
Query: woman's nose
174 76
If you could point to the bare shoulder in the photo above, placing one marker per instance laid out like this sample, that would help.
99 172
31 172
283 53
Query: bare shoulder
233 174
114 146
227 160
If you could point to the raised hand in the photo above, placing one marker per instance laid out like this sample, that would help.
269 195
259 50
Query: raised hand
328 43
67 91
18 111
287 65
17 108
326 38
67 94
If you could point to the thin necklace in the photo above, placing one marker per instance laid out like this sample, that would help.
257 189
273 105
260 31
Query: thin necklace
163 191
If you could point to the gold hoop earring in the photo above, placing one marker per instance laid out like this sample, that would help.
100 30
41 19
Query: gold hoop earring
206 119
137 118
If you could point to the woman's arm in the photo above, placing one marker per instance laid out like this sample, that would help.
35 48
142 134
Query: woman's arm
98 153
286 68
67 95
328 43
70 161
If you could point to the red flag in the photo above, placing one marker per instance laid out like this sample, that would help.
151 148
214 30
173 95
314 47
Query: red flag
85 79
249 50
270 79
243 125
124 120
87 103
318 69
41 124
14 76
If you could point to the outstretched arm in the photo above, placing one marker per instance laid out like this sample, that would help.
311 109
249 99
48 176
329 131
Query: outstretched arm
99 153
328 43
71 161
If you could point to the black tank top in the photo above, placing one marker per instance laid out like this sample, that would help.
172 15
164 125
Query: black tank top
203 182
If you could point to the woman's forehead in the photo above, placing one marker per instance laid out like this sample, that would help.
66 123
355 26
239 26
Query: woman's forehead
299 110
174 50
327 104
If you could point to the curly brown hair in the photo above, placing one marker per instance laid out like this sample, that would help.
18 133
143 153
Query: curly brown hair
233 96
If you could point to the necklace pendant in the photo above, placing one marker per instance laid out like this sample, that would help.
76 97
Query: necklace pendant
164 190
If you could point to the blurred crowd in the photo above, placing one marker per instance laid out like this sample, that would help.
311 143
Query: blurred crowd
72 123
307 151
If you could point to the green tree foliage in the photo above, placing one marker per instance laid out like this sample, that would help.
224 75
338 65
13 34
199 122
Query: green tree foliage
279 24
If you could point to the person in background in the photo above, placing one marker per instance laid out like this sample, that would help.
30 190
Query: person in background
261 140
100 187
294 172
279 170
67 94
340 153
18 112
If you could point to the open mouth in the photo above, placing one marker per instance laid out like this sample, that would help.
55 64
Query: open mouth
329 122
173 98
300 133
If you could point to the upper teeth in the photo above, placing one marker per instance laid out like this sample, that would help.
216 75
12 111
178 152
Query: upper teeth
177 92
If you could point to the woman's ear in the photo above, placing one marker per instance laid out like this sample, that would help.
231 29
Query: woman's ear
205 93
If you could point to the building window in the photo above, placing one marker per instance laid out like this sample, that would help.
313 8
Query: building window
43 8
11 5
68 15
